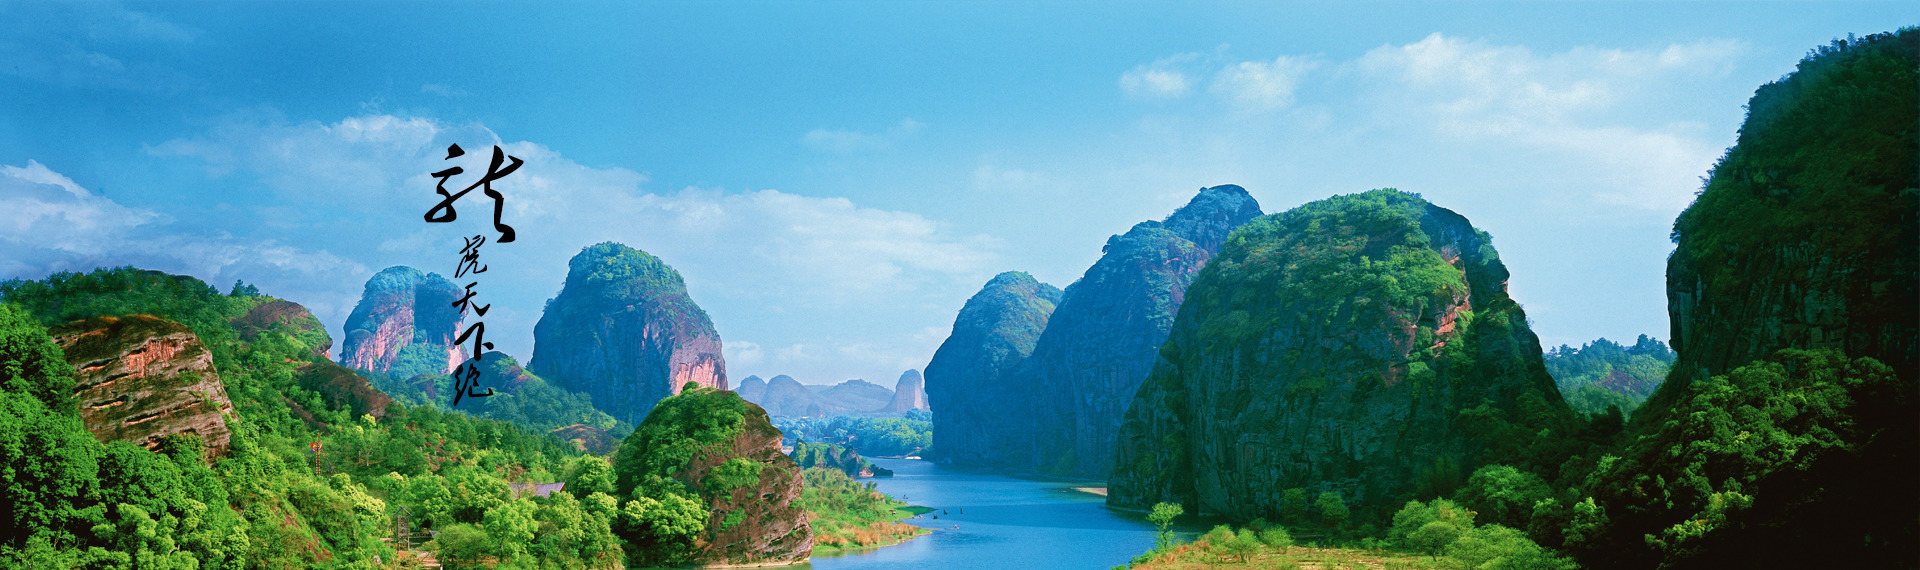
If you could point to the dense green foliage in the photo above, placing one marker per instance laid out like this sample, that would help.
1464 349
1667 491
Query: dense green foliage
1808 229
871 436
1825 156
1807 448
835 457
1604 374
851 514
270 502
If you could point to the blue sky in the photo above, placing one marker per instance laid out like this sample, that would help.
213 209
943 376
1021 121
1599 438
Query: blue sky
834 179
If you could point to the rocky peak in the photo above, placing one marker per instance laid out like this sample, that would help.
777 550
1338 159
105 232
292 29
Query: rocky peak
141 378
1212 214
752 389
910 393
404 313
624 331
970 396
856 395
787 397
1103 338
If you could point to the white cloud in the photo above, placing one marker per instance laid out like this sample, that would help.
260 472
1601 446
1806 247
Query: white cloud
742 354
1165 78
49 223
1262 85
851 142
1565 103
775 267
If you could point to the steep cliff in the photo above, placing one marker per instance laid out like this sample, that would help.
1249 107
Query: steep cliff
141 378
404 324
1788 416
624 331
976 406
1805 234
1363 344
1101 341
722 451
910 393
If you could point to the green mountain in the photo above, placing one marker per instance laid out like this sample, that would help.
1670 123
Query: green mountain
1604 374
1784 435
1362 345
624 331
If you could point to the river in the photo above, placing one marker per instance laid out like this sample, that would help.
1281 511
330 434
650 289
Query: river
1003 522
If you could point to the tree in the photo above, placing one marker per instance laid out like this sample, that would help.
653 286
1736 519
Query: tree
1428 527
1293 506
1162 519
589 474
1333 511
660 531
1502 494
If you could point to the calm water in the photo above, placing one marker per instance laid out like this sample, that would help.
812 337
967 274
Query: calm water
1004 523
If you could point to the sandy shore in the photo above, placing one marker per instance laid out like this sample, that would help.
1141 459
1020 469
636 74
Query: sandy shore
1101 491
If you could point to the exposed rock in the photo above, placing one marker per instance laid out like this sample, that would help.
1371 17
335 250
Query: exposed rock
910 393
1333 347
853 396
141 378
753 389
624 331
342 388
975 405
284 317
587 438
402 308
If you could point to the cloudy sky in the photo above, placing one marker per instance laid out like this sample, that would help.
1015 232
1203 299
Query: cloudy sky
834 180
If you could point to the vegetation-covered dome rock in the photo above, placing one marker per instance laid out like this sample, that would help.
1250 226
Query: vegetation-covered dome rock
971 398
1805 234
710 448
404 324
1784 434
1363 344
624 331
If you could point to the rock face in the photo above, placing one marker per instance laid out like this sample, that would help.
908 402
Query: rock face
285 317
910 393
1102 340
1332 347
1805 234
141 378
972 400
704 439
787 397
853 396
404 318
624 331
752 389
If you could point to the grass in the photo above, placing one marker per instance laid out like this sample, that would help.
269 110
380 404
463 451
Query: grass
1199 554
